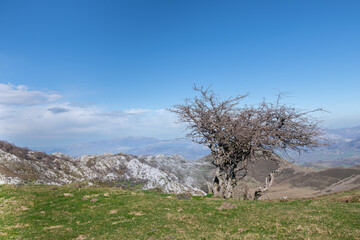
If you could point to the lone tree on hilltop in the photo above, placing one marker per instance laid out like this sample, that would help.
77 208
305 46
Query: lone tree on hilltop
238 136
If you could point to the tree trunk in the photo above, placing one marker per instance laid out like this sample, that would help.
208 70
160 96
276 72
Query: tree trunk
262 190
224 183
226 176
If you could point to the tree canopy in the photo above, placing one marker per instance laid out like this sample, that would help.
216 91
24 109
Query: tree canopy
237 134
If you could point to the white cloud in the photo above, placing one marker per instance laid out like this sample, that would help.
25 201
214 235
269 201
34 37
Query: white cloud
21 96
47 122
137 111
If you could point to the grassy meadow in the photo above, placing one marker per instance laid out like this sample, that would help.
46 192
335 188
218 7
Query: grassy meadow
73 212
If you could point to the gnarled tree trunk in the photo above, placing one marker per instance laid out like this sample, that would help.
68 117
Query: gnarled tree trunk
226 177
224 183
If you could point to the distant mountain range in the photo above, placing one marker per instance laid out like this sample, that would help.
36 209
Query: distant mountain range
133 145
343 148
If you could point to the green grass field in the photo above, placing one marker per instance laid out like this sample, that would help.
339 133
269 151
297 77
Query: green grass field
70 212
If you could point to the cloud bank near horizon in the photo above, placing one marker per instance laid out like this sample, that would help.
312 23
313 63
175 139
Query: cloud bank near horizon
39 118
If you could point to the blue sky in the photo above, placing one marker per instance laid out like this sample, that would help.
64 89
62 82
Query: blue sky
74 71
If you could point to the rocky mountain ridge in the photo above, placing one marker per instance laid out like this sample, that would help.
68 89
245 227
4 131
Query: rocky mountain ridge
170 174
19 165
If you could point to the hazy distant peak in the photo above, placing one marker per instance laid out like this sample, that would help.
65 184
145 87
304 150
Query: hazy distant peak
134 145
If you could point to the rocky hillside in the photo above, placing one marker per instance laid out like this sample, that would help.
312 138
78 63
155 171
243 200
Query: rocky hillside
20 165
170 174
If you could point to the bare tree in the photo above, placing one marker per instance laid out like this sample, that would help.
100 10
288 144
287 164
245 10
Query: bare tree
238 136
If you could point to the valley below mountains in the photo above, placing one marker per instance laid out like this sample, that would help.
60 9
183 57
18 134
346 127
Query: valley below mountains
168 174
